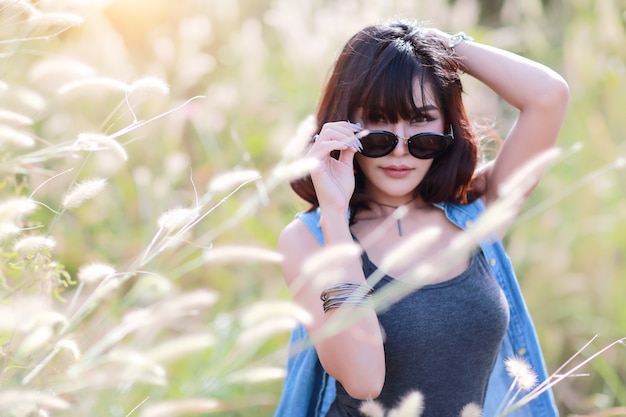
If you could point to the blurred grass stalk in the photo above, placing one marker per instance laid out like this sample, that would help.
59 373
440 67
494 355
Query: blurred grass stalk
139 332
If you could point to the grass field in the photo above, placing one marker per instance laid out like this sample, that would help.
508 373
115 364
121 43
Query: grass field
145 153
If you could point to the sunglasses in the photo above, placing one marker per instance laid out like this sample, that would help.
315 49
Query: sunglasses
426 145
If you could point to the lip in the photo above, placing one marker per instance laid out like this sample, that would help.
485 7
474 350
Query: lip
396 171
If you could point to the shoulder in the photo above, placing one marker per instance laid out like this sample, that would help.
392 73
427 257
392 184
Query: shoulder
296 242
294 232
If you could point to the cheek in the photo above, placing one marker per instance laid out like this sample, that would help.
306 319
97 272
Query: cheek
365 164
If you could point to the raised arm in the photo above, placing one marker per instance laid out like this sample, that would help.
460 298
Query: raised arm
540 95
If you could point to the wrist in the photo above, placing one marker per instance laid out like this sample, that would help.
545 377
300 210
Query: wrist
335 225
457 39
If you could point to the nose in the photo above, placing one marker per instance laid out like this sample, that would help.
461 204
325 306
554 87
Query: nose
402 146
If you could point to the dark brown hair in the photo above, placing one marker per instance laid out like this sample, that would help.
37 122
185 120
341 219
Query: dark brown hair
376 71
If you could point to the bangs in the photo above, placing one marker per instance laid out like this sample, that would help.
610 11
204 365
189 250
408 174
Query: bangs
387 90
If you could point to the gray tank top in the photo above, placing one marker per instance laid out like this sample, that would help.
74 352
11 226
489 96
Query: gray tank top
442 340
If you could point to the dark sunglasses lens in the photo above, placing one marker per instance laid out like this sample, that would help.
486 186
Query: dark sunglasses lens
428 146
377 144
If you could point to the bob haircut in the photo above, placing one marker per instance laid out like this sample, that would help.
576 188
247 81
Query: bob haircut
375 72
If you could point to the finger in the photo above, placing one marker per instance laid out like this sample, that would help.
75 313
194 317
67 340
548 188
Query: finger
338 131
349 137
322 149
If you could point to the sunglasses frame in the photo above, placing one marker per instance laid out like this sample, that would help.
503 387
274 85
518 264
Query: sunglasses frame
448 138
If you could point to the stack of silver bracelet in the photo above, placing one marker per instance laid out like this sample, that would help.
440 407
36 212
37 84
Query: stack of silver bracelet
346 293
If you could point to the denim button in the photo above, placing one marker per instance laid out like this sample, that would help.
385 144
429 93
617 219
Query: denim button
521 351
492 261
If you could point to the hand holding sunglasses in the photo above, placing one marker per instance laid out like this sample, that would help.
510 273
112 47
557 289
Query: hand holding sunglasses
426 145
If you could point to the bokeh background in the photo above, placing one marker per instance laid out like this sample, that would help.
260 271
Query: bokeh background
223 86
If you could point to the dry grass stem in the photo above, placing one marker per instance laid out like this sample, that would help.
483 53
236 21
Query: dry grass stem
14 397
295 147
524 179
262 331
94 82
240 254
228 181
409 248
93 142
330 258
180 407
293 170
266 310
256 375
181 347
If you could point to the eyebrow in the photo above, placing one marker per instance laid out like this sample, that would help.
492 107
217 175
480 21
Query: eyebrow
427 108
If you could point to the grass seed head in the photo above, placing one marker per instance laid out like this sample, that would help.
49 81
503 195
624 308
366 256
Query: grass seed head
15 118
518 369
56 19
148 85
8 231
15 137
177 218
372 408
14 209
71 346
95 272
35 340
411 405
34 243
228 181
83 191
471 410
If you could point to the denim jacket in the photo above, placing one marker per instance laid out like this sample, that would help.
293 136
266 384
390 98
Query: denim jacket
309 391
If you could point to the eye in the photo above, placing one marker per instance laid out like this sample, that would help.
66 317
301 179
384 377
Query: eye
422 118
377 118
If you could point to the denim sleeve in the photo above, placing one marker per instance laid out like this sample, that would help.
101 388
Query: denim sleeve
520 340
308 391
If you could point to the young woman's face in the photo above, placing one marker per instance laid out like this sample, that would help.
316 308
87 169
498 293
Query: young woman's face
392 179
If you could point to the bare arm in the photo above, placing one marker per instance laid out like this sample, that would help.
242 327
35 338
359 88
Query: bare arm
354 356
540 95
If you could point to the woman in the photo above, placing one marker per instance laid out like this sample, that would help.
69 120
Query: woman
392 132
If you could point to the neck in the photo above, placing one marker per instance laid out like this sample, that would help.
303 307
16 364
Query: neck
393 206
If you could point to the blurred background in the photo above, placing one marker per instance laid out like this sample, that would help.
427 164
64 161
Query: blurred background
225 85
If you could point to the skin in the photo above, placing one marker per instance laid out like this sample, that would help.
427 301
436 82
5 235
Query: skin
355 355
